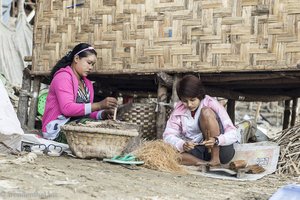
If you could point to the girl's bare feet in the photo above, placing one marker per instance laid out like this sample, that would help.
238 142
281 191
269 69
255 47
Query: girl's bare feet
214 163
201 163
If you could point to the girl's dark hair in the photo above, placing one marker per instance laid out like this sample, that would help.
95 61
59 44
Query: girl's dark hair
190 87
68 58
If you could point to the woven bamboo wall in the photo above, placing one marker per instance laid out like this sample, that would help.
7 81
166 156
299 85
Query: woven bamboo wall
171 35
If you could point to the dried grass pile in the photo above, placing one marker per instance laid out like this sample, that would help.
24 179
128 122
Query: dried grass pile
289 158
160 156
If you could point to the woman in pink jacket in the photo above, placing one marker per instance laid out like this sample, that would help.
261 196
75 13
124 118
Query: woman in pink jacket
71 94
199 127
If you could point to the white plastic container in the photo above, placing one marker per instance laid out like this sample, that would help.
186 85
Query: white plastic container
288 192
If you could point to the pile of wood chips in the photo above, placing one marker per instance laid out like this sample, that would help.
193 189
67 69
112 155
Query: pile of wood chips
289 158
159 155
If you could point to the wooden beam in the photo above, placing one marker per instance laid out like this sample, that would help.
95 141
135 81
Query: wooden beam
293 92
228 94
249 76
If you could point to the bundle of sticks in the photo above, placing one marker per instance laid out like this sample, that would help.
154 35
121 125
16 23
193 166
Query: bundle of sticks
289 158
242 164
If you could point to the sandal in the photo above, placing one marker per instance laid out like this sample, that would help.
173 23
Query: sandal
38 149
128 159
54 150
50 150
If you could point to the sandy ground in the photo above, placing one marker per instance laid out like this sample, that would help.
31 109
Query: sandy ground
70 178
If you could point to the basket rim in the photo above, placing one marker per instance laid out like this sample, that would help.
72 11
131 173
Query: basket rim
128 132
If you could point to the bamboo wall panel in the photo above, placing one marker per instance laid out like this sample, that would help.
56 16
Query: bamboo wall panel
171 35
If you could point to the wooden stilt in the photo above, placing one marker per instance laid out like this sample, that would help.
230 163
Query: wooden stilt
257 111
294 111
287 113
161 111
33 103
165 79
231 109
174 97
22 111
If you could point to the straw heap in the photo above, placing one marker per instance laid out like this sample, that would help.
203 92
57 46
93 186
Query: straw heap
160 156
289 158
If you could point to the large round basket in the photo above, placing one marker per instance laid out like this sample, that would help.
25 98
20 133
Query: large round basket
101 139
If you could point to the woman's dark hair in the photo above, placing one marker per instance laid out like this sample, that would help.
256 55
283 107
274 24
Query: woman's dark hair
189 87
67 60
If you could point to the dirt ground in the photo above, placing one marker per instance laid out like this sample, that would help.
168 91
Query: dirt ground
70 178
66 177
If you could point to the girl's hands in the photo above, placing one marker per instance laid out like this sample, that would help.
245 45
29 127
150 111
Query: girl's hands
187 146
108 103
210 142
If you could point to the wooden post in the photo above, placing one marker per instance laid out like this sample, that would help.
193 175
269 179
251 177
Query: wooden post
231 109
161 110
287 113
33 103
294 111
165 79
174 97
257 111
22 111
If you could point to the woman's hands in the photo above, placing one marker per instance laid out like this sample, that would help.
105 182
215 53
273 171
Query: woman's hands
108 103
107 114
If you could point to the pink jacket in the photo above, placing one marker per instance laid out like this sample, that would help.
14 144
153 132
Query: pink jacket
61 99
176 131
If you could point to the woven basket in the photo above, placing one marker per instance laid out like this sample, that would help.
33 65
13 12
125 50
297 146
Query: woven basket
144 115
103 139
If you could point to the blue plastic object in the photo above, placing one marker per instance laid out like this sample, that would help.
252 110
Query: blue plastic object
288 192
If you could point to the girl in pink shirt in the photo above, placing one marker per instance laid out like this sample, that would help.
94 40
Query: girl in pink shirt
71 94
199 126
